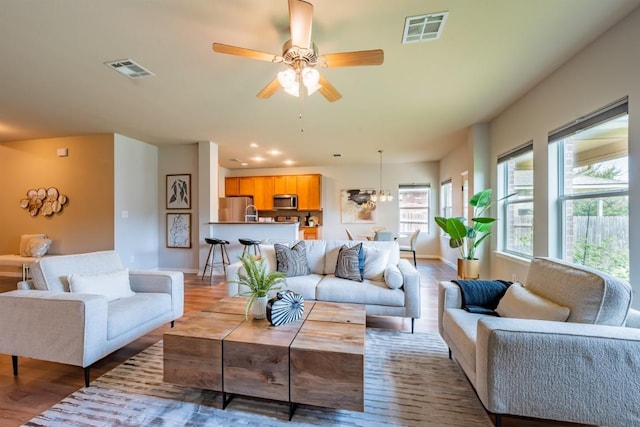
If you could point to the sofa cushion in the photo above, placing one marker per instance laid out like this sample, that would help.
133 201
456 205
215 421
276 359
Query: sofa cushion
127 313
375 261
50 273
292 261
393 277
521 303
350 263
332 288
304 285
315 255
592 296
114 285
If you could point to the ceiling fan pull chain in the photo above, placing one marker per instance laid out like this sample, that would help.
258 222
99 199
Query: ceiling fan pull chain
300 116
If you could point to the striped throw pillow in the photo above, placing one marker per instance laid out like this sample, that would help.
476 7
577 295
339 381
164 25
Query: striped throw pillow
350 265
292 261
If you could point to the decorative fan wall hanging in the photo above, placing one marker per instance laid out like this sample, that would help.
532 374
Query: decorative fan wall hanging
300 56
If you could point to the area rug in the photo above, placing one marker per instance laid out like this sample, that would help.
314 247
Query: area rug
409 381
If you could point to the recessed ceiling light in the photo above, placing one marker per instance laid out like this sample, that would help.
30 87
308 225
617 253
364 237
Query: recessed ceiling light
129 68
289 162
253 145
257 159
274 152
244 164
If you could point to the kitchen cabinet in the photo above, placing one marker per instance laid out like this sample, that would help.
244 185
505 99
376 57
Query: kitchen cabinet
247 186
263 192
285 184
231 186
309 189
310 233
262 188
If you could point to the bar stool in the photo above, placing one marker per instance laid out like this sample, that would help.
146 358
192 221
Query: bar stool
248 244
211 256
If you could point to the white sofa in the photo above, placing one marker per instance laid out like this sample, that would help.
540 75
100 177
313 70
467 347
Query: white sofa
44 319
583 370
383 268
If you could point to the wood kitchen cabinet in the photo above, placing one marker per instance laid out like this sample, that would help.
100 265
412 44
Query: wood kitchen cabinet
285 184
310 233
309 192
263 192
231 186
262 189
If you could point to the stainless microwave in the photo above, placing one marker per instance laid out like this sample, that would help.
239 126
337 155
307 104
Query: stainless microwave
285 201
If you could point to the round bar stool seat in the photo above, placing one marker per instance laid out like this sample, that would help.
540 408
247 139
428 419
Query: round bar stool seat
221 245
248 244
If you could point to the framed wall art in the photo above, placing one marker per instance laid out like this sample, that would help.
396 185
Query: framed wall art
179 230
179 191
356 206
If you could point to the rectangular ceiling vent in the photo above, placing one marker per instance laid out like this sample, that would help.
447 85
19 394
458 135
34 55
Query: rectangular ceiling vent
129 68
423 28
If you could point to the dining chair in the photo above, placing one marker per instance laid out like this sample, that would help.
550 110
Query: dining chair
411 247
349 235
383 235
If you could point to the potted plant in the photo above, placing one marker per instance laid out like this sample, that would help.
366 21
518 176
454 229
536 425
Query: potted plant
259 282
468 238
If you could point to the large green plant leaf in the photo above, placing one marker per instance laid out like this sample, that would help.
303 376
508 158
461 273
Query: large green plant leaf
481 199
456 229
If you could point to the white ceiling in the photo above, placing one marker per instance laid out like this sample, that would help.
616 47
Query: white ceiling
53 81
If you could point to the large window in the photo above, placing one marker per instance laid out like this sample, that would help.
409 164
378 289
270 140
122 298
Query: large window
515 175
413 202
593 190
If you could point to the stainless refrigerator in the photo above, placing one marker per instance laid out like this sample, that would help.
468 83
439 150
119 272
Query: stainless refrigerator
233 209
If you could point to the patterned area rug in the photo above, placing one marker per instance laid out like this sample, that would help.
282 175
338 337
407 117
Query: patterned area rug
409 381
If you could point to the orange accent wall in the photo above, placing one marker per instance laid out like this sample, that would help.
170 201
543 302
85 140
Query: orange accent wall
86 177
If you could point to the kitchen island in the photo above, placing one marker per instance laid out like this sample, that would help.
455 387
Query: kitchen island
274 232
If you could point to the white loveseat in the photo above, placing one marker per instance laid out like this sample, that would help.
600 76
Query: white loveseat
391 285
44 320
583 370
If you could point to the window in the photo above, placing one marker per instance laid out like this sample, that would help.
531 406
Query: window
413 202
446 201
515 176
593 190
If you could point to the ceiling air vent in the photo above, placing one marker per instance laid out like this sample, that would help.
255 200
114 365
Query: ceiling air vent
423 28
129 68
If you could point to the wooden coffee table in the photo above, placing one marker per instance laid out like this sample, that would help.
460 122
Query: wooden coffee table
317 360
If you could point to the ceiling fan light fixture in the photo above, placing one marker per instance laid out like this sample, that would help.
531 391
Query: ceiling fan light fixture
311 79
289 82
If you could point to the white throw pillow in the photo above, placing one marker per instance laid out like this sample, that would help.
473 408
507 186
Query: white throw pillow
375 261
37 247
268 255
393 277
114 285
518 302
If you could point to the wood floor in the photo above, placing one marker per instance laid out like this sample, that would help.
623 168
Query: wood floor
42 384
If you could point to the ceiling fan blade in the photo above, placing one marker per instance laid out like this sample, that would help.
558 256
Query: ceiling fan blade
350 59
247 53
300 21
271 88
328 91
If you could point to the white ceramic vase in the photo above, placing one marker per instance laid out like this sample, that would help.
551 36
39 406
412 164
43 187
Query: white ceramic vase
259 308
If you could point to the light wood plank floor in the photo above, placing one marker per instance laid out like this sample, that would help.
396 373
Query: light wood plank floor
42 384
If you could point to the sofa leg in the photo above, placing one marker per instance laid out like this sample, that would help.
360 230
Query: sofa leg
172 323
498 422
14 363
413 321
87 377
449 353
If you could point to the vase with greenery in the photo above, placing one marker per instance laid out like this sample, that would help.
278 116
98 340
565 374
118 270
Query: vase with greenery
467 238
254 276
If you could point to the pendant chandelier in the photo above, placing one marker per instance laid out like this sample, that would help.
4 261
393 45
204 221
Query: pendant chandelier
381 195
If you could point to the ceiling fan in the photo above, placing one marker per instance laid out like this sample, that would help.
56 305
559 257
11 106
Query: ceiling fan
300 55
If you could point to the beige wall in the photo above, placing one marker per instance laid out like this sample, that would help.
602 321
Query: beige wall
86 177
